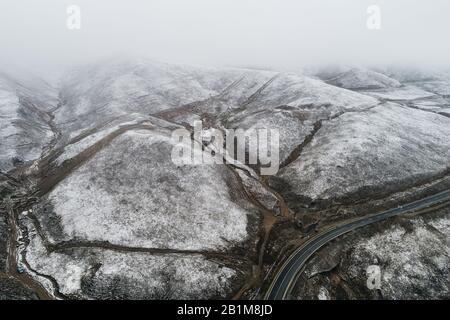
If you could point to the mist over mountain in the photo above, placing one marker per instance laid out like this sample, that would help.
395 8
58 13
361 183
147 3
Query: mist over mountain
250 33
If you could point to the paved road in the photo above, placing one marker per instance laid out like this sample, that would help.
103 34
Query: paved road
290 270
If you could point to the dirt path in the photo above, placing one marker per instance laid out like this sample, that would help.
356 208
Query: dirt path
13 257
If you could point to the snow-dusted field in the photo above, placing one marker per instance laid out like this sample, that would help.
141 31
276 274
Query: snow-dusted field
107 274
145 200
414 261
387 145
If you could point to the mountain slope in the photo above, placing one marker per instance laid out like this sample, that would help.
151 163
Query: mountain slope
25 122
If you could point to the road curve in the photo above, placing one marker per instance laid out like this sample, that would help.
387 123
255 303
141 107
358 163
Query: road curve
289 271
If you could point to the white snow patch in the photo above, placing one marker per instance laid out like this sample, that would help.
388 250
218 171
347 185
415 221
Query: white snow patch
323 294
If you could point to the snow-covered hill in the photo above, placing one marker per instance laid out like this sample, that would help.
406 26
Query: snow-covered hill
360 79
108 210
25 121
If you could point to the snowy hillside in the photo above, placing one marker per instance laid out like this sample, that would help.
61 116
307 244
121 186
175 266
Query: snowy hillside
104 212
390 145
359 79
25 121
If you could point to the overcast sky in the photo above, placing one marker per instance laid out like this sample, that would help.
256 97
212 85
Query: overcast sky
258 33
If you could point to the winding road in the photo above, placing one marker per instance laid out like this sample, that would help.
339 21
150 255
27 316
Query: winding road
292 267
